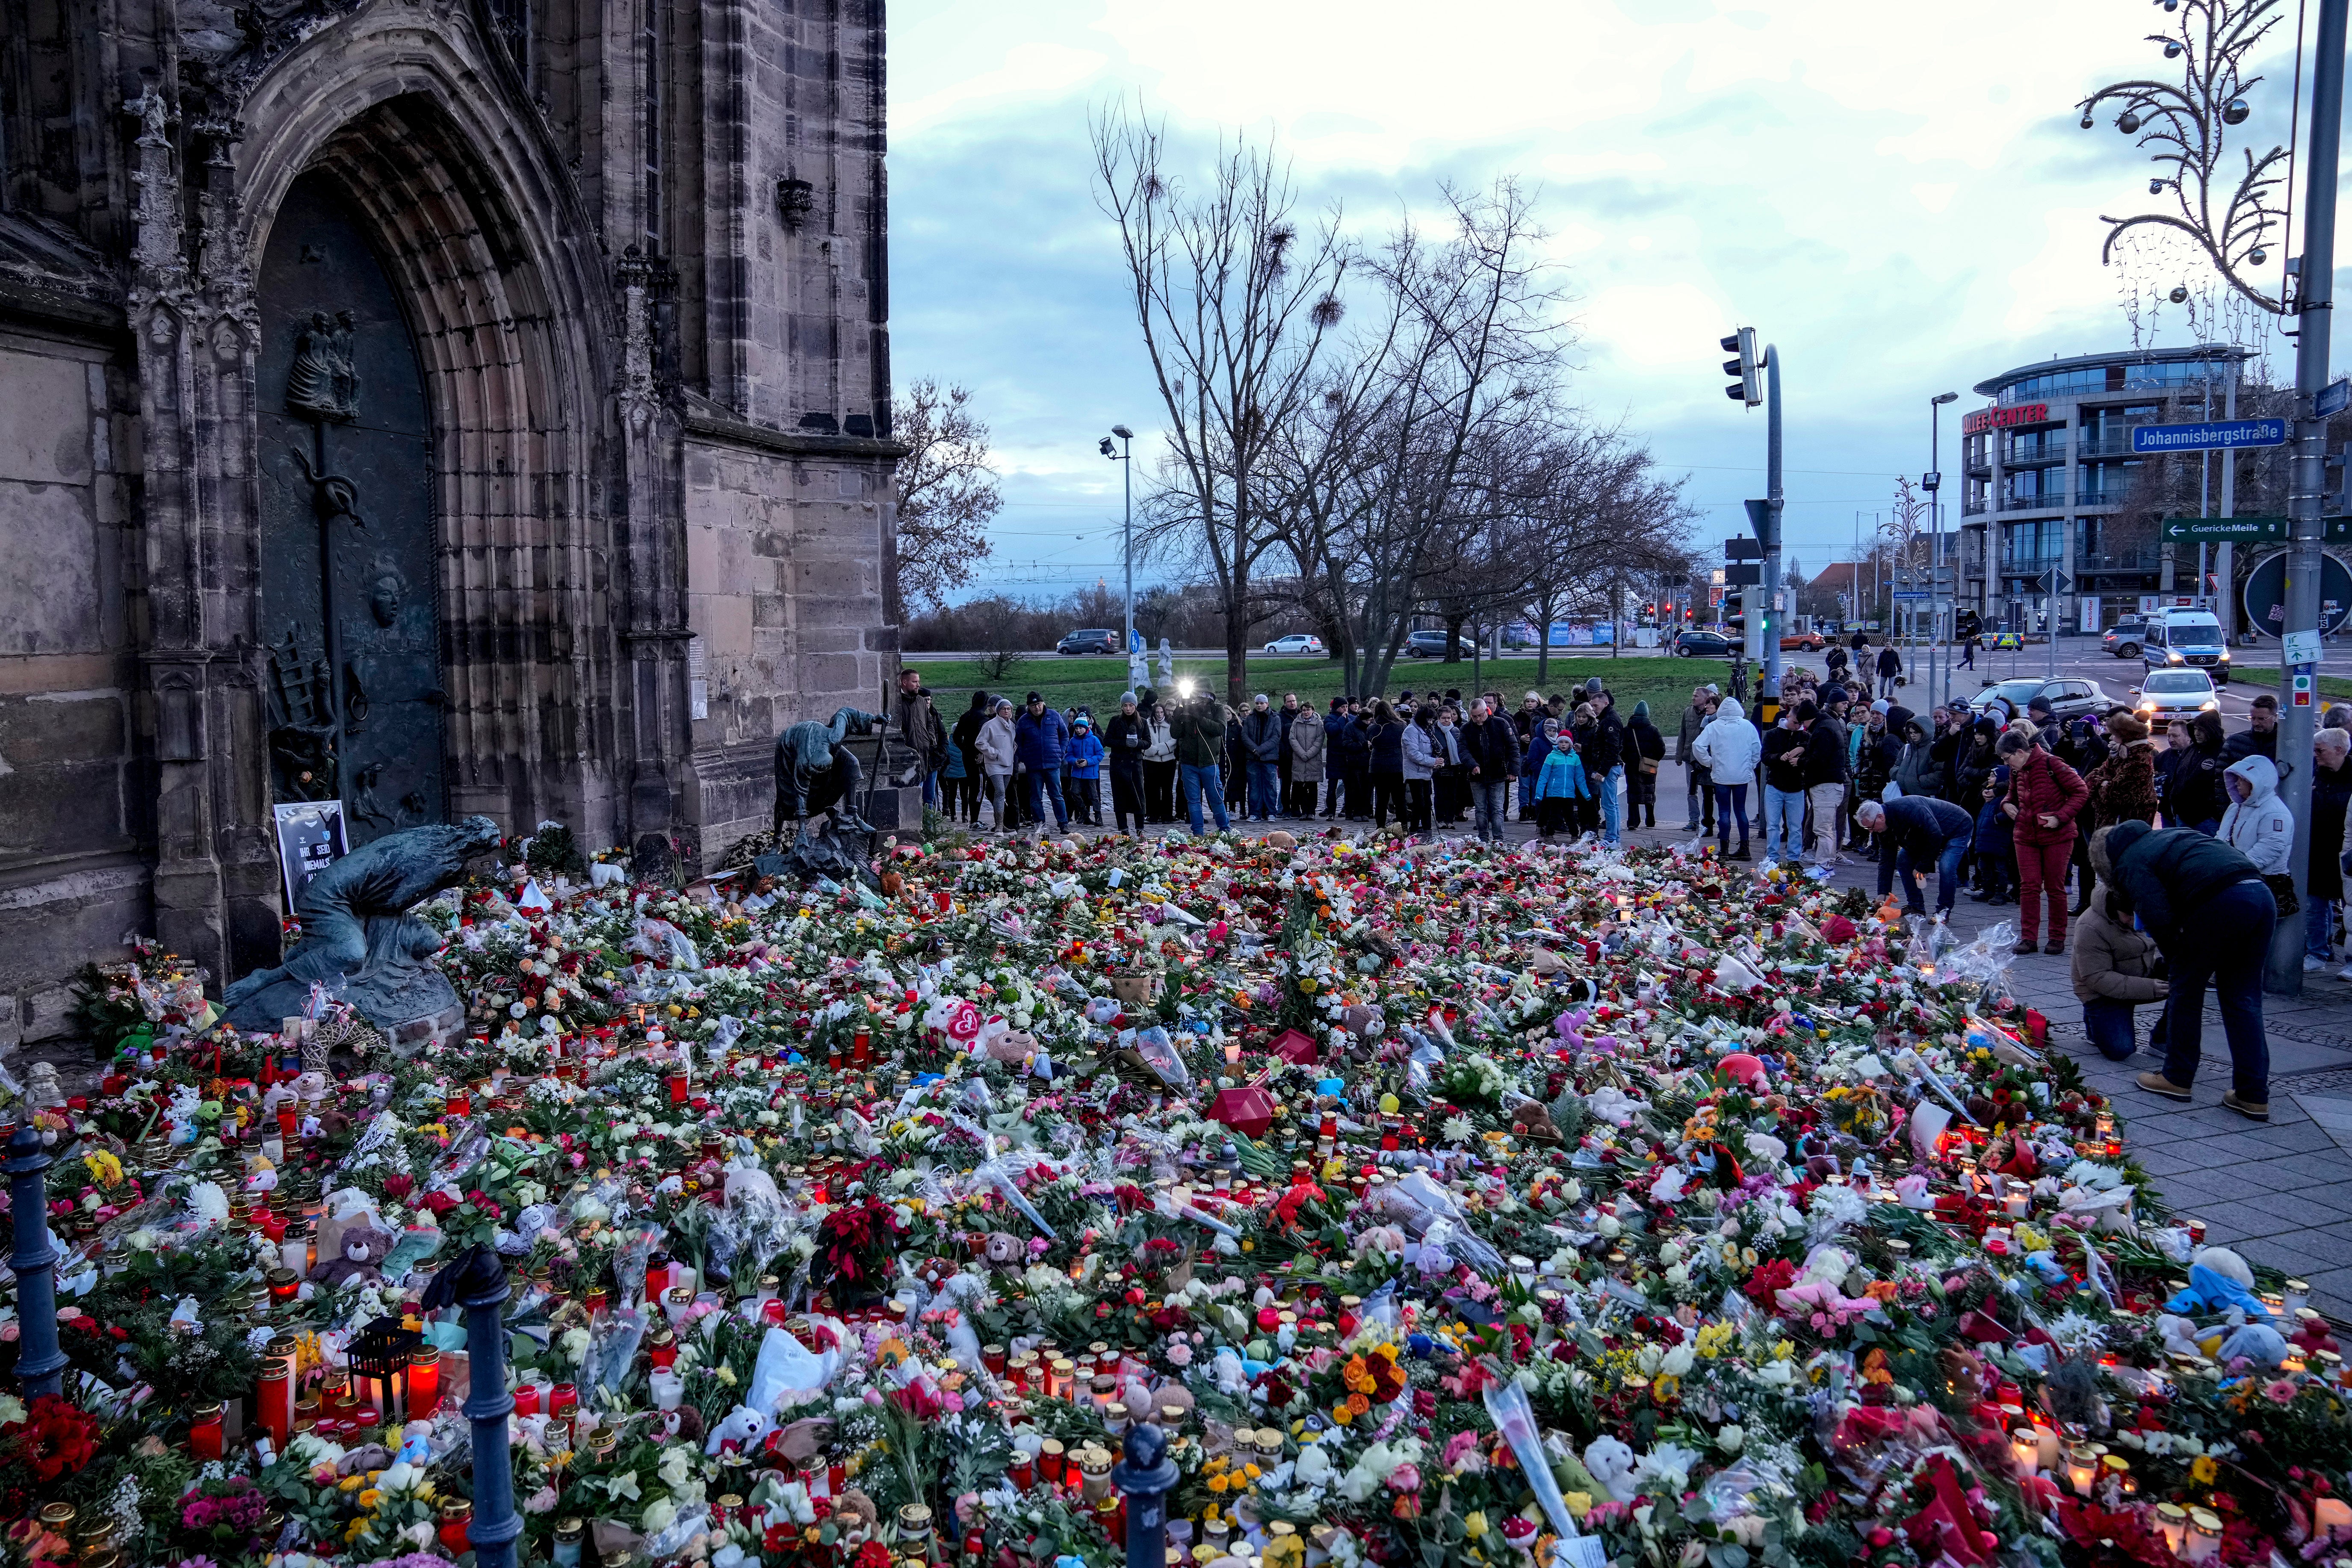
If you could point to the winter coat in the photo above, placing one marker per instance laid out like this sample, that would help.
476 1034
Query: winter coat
2260 827
1262 736
1540 746
1307 739
999 746
1647 742
1780 773
2331 791
1729 748
1200 734
965 738
1608 749
1041 739
1695 719
1083 755
1561 777
2246 743
2170 874
1388 747
1825 753
1348 746
1881 750
1923 823
1493 748
1890 663
922 730
1971 768
2041 786
2196 793
1126 737
1420 753
1916 768
1162 747
2111 961
2124 786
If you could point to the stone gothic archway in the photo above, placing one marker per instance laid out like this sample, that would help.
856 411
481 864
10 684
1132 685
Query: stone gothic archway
550 558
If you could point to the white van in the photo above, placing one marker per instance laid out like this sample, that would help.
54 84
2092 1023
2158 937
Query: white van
2180 640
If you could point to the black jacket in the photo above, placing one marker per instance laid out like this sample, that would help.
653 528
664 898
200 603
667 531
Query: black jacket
1388 747
1924 823
1125 737
1493 747
2195 791
1825 753
1648 740
1262 736
1915 767
1778 771
2246 743
1608 748
1348 746
2168 875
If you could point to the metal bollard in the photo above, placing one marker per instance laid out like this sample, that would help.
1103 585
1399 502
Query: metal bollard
1144 1476
495 1524
40 1365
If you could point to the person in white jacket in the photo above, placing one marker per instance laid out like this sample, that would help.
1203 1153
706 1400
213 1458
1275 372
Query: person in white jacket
1730 749
2258 823
996 744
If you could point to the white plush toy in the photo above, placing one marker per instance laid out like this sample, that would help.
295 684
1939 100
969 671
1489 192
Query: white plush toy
1610 1463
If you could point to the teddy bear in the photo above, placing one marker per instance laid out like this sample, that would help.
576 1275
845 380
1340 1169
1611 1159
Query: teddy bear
363 1248
1004 1248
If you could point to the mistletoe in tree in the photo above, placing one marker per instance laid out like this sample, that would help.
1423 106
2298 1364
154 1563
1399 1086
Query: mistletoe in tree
2185 127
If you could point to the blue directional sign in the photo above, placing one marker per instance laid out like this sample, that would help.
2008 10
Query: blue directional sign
2216 435
2334 398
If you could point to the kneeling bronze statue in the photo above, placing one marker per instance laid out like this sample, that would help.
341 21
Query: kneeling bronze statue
817 773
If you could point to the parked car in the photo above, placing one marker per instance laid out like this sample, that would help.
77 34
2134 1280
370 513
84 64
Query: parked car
2069 698
1296 645
2186 638
2123 638
1698 644
2169 694
1431 645
1093 639
1803 642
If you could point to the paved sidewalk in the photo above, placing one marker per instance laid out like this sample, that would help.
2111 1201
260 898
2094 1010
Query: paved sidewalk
2279 1192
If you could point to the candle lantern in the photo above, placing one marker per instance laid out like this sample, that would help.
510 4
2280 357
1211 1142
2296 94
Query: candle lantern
424 1381
2204 1535
2025 1450
379 1358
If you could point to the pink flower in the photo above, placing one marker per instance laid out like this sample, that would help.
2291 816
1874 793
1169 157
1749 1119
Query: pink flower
2282 1391
1458 1446
1404 1479
1179 1353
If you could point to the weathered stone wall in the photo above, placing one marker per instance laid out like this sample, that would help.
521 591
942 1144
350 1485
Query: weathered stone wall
72 881
642 245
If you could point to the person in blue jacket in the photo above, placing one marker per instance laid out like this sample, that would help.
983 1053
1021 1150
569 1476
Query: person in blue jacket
1561 783
1040 738
1082 761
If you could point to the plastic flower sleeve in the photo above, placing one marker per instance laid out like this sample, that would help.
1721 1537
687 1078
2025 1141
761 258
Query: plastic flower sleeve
1515 1418
996 1174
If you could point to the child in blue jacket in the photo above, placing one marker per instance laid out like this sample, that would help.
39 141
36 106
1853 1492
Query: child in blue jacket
1559 786
1082 761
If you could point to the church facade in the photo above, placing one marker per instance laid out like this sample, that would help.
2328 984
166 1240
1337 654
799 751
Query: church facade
430 407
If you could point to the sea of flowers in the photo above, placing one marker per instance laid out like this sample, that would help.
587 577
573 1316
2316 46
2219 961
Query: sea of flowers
1438 1204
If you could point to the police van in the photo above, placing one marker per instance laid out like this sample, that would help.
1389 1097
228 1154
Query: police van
2182 639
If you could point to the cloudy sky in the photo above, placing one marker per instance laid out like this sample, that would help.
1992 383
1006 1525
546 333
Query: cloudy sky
1898 197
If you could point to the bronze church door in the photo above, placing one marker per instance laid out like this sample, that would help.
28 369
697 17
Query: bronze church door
348 614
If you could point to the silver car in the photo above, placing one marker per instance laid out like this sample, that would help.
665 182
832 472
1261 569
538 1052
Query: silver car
2171 694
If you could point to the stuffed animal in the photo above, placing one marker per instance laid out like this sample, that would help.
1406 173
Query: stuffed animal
1610 1463
743 1431
362 1247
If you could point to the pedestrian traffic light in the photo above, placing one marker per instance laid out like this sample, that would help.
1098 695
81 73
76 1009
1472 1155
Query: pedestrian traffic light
1745 388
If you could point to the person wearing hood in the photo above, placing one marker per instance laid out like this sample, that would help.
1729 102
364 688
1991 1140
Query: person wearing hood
2113 961
2044 797
1699 805
1645 748
2258 823
963 774
2211 914
1729 749
1125 737
1917 768
1081 763
1158 757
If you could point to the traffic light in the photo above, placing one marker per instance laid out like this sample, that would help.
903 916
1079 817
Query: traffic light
1745 387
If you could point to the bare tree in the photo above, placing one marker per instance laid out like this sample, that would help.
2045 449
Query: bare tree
1235 303
947 494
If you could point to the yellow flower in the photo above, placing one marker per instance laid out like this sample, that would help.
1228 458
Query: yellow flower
2203 1470
1474 1525
370 1497
1219 1483
1342 1414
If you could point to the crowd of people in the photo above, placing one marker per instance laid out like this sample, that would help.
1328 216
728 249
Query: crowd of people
2131 839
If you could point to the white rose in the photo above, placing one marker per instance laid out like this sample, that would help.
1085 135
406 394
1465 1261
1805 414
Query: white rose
659 1515
1731 1438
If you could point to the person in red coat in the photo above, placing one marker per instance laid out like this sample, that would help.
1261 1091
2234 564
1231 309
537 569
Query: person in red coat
2044 797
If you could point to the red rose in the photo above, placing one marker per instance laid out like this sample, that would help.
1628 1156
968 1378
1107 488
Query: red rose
439 1202
398 1187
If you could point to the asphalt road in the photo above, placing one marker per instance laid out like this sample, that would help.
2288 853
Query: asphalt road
2080 659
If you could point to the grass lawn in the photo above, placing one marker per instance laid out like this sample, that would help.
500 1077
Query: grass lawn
2329 685
1663 682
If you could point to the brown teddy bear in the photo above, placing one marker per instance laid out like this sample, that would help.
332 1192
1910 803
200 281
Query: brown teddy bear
363 1251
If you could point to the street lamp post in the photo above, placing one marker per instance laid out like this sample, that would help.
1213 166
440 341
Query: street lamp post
1939 653
1127 532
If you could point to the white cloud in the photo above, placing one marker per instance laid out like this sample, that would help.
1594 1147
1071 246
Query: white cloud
1895 194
